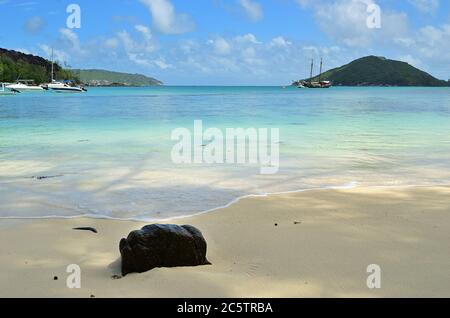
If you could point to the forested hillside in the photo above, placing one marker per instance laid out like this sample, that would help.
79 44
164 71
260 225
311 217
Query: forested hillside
16 65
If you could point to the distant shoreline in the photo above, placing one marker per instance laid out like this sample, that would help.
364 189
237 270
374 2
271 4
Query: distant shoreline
119 85
383 85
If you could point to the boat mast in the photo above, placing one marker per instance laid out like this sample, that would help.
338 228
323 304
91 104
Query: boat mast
312 67
320 74
52 66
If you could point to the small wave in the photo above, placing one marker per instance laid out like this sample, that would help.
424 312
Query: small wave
349 185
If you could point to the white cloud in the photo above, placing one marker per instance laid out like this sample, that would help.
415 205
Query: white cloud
249 53
345 21
24 51
166 19
426 6
244 59
145 31
140 51
34 25
239 59
407 42
249 37
253 9
70 39
161 63
280 41
139 59
126 40
147 44
132 49
58 55
221 46
143 45
111 43
411 60
428 49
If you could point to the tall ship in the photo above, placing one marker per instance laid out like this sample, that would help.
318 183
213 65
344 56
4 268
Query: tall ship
319 83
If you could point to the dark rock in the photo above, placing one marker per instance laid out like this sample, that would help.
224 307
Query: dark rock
86 229
55 278
160 245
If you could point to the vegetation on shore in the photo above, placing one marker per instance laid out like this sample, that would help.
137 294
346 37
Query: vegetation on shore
379 71
108 78
16 65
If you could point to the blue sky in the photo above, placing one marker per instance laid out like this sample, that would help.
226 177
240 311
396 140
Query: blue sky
226 42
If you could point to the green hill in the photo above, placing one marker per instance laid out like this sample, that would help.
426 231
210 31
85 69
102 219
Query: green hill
16 65
379 71
108 78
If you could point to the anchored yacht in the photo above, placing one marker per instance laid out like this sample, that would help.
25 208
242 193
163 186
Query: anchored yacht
318 84
63 87
25 86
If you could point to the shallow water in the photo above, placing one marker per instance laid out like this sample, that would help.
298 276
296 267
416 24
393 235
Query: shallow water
108 151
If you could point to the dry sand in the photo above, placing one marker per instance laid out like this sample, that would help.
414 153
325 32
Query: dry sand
324 241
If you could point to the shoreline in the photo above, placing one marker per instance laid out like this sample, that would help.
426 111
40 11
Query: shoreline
349 186
307 244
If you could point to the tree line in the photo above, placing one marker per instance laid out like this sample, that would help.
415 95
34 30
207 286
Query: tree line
12 70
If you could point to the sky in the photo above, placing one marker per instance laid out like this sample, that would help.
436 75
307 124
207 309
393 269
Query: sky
228 42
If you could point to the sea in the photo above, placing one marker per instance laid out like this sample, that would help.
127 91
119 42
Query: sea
108 153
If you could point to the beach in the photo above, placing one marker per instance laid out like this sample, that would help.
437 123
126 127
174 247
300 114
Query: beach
315 243
245 149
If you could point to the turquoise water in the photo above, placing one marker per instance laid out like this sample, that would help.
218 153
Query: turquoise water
108 151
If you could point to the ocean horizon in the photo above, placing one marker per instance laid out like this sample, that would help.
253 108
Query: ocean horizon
106 153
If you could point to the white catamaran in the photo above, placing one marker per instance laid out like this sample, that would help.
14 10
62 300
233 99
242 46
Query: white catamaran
63 87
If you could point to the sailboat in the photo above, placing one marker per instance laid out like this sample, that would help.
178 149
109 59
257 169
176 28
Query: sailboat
63 87
310 83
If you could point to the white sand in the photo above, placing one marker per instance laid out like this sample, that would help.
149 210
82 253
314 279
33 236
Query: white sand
404 230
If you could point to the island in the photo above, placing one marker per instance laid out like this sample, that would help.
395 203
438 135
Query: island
377 71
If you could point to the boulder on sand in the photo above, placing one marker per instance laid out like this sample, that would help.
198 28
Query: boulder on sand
162 245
